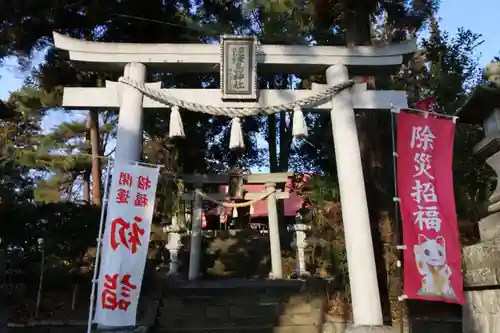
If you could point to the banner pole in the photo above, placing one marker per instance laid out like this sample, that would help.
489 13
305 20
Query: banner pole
399 238
99 242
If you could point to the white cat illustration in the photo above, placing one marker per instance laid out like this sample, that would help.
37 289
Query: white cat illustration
430 257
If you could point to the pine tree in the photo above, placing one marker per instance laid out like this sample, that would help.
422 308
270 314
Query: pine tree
16 181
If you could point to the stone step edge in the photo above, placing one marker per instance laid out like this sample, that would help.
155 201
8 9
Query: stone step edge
239 328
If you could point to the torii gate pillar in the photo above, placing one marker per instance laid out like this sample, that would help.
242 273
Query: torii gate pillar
366 307
129 140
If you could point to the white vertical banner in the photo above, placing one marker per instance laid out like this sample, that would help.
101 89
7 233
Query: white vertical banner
125 243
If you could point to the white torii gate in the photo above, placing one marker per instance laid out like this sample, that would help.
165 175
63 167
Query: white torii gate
134 60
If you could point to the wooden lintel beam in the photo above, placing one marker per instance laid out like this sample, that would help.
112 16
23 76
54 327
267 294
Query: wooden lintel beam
262 178
222 179
248 196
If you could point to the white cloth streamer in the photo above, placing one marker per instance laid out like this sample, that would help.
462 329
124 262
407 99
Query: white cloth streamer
236 137
176 128
299 129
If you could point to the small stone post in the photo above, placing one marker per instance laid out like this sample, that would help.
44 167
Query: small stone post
274 232
196 237
366 307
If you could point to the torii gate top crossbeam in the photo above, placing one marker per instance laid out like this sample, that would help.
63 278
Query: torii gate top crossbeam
205 58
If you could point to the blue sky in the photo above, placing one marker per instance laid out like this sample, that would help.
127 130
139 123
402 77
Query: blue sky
480 17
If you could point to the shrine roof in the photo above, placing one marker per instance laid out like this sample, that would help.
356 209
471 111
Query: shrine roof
205 58
291 204
479 105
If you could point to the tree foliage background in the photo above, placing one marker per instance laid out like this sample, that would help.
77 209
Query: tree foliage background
51 182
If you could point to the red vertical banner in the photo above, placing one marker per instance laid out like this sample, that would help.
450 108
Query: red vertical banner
432 265
428 104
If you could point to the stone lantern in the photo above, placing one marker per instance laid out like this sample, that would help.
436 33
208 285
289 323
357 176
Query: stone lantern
481 261
483 108
299 243
174 245
235 188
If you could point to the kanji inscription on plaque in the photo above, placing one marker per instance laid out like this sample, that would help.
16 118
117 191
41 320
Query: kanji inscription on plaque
238 68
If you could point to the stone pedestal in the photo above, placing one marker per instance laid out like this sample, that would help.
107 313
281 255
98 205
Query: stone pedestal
489 227
369 329
481 313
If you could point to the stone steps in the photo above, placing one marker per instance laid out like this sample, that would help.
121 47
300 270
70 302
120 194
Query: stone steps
251 329
248 328
241 306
